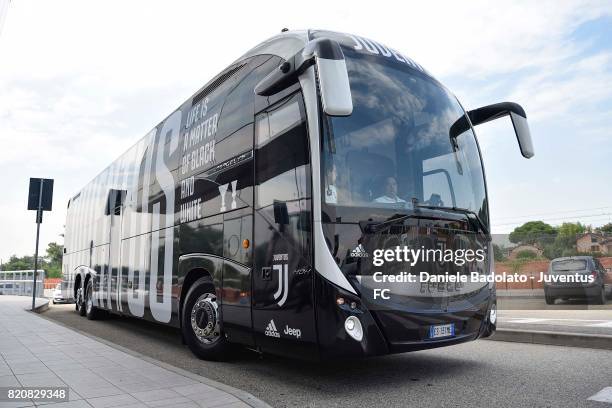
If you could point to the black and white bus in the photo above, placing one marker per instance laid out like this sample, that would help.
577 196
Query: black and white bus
281 205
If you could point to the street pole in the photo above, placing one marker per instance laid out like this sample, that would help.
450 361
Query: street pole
38 221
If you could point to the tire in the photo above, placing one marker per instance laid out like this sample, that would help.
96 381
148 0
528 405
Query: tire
92 312
209 342
549 299
78 301
53 301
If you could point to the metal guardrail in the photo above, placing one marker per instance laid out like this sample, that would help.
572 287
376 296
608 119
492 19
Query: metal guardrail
20 283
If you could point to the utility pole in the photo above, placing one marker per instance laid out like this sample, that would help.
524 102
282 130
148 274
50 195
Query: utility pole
38 222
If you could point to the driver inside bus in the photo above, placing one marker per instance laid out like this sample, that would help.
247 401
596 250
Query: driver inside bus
390 192
331 194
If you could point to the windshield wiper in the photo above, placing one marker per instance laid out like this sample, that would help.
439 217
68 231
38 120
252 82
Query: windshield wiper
472 215
377 227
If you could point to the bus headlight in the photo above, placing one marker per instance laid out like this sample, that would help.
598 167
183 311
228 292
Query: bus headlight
352 325
493 314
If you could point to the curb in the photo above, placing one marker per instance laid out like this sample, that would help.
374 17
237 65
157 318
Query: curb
40 308
595 341
244 396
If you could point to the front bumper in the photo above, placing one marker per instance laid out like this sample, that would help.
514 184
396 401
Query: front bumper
392 331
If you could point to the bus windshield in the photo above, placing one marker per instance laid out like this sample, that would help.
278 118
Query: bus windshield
395 150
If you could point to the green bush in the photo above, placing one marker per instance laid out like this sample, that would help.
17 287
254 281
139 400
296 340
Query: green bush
526 254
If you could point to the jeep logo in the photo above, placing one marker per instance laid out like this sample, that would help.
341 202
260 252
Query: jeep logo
297 333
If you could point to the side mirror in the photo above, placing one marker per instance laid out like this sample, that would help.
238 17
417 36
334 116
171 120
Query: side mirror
333 79
333 76
523 134
496 111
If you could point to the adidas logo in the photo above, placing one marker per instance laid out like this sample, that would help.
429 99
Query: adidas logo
271 330
359 252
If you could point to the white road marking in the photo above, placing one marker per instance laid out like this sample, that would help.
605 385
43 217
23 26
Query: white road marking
528 320
580 322
604 395
562 320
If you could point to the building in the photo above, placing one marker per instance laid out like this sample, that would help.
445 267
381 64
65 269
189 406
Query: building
594 242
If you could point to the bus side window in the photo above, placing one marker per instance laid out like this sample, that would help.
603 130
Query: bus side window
282 155
282 180
115 201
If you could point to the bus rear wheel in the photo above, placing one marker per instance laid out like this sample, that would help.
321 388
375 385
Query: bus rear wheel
91 311
79 304
201 322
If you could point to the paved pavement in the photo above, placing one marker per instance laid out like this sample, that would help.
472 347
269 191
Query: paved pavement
477 374
525 301
37 352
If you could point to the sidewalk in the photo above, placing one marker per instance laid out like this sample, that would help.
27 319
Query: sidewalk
528 293
590 328
37 352
596 322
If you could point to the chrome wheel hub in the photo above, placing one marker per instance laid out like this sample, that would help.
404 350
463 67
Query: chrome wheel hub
205 319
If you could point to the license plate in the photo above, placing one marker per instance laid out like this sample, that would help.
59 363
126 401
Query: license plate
441 330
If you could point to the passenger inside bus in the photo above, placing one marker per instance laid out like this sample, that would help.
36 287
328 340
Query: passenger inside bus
435 200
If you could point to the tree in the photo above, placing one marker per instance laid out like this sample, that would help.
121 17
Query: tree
565 242
605 229
55 253
526 254
533 232
54 260
17 263
498 253
571 229
51 263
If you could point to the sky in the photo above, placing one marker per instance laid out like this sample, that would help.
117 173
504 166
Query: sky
80 82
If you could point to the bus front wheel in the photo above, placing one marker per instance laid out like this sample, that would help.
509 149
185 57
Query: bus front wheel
201 322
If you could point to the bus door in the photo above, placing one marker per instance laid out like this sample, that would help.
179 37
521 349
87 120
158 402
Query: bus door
283 313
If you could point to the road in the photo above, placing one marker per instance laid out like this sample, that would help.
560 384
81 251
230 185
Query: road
477 374
538 303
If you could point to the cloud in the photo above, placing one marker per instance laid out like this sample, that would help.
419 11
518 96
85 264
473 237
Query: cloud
82 81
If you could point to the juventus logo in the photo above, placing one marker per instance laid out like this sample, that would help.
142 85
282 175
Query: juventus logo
283 283
222 190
